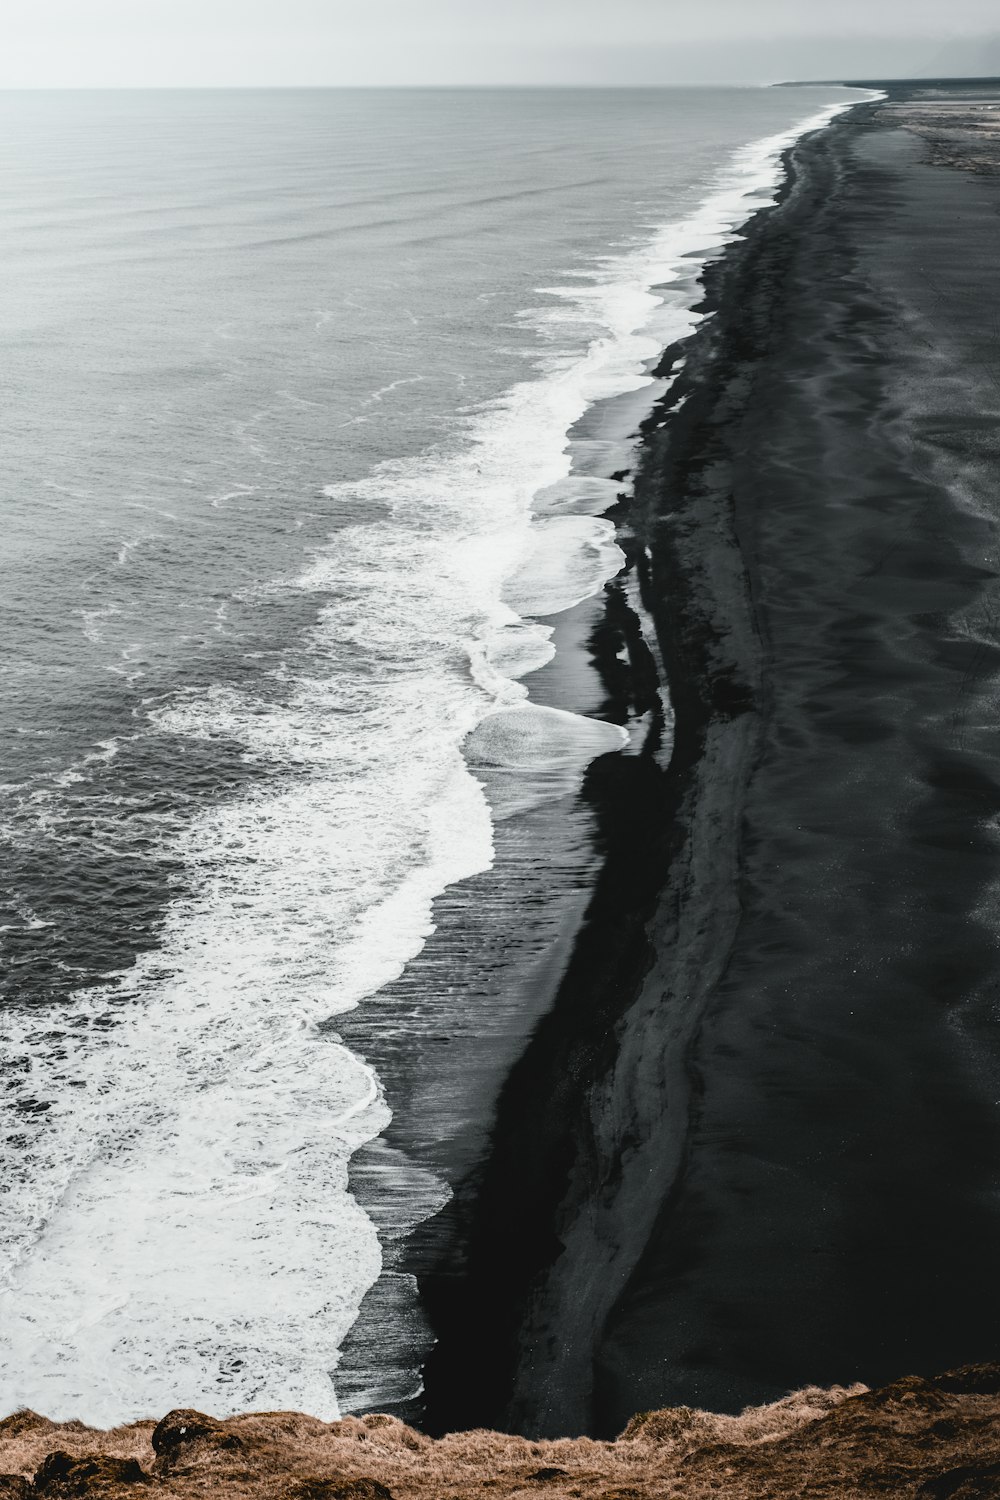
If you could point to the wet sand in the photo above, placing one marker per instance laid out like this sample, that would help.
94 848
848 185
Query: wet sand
445 1036
755 1140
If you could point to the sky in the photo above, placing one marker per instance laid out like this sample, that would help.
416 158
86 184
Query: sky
163 43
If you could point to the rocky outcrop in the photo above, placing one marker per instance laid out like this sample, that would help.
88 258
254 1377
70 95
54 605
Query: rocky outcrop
63 1476
188 1439
915 1439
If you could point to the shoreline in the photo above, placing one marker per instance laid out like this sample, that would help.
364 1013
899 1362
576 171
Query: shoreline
503 940
664 1213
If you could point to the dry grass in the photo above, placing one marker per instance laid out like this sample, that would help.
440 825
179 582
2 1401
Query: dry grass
939 1440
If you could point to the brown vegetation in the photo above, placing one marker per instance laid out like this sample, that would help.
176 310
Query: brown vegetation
925 1439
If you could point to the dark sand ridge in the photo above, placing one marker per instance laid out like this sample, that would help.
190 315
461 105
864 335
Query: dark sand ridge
755 1142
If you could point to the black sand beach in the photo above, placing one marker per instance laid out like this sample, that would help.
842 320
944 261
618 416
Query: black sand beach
754 1142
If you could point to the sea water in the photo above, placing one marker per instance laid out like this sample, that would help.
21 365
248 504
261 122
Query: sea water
288 509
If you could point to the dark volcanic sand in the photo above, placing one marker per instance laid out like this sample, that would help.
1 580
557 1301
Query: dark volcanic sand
755 1143
444 1037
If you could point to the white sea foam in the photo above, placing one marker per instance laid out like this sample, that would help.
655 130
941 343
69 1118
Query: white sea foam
568 560
577 494
178 1227
92 621
77 772
525 753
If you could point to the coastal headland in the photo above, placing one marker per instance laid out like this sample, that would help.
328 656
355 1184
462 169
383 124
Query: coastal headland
754 1141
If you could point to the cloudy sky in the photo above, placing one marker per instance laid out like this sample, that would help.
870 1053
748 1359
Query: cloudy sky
101 43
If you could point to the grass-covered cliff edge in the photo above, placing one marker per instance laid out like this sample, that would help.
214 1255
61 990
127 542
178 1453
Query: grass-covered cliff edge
926 1439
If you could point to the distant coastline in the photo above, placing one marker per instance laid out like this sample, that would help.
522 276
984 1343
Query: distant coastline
906 87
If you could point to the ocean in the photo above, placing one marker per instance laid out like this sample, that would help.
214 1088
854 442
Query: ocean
313 403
